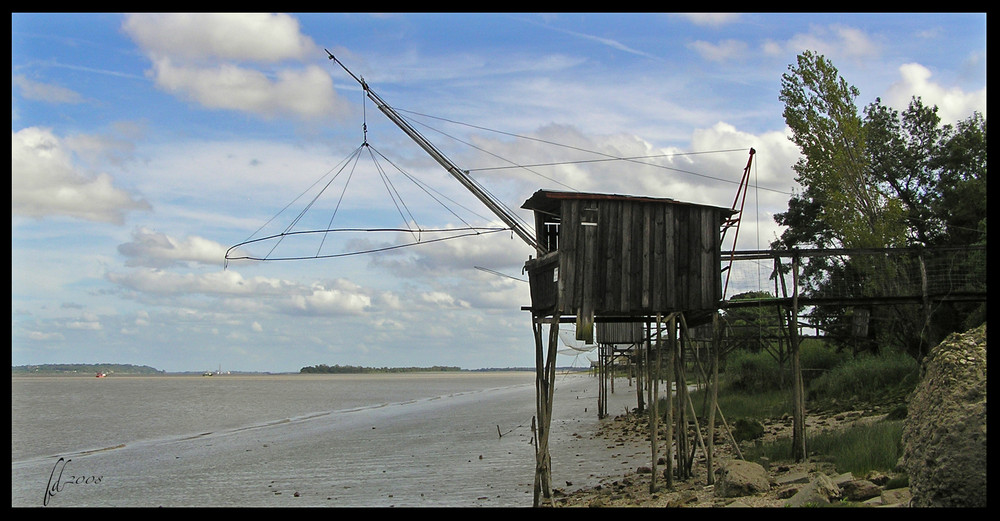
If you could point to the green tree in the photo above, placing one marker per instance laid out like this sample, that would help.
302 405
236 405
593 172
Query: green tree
937 173
835 167
874 179
960 201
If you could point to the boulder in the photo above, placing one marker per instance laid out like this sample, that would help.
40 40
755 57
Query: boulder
821 490
896 497
825 485
860 490
944 433
808 495
741 478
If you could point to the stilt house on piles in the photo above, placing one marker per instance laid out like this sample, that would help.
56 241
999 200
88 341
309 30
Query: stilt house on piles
619 259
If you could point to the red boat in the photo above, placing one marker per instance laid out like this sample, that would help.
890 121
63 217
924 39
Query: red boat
101 375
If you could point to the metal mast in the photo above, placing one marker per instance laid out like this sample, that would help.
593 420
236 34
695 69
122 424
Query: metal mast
462 175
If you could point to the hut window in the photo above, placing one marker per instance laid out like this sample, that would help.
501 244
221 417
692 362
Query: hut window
551 238
588 216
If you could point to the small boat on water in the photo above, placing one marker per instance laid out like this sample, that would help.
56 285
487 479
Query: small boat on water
101 374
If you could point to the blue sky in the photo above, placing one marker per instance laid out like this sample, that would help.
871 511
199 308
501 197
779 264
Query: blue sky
144 146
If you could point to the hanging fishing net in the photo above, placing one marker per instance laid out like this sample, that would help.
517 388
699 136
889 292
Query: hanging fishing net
365 204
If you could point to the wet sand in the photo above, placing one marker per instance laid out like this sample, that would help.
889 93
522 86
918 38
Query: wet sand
453 450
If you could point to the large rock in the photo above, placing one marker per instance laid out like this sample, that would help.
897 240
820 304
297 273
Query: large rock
741 478
944 434
821 490
860 490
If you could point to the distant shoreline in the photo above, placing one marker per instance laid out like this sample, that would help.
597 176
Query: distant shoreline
133 370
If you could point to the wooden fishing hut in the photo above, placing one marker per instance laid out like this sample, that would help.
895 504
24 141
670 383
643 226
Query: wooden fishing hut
618 262
618 258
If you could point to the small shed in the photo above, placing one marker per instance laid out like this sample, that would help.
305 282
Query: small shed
622 257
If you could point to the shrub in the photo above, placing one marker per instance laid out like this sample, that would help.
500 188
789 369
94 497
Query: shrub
753 372
858 449
861 448
816 359
868 378
747 429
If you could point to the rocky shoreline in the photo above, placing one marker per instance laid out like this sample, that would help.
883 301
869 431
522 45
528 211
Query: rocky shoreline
738 483
944 452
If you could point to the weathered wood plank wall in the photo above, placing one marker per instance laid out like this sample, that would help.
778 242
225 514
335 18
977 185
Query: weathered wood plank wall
625 257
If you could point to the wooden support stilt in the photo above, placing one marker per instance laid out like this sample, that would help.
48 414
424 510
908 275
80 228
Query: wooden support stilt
654 404
545 372
668 473
798 389
640 383
683 469
799 427
611 368
602 389
715 379
714 400
697 432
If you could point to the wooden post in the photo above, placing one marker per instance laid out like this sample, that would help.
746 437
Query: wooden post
602 388
611 368
668 473
714 400
538 481
536 328
697 433
798 393
604 381
640 385
925 332
650 379
545 365
654 406
683 469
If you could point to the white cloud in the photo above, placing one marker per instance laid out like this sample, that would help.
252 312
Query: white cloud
208 59
306 94
324 301
34 90
835 41
44 336
158 250
84 325
248 295
216 283
95 147
46 182
953 104
711 19
722 51
229 36
441 299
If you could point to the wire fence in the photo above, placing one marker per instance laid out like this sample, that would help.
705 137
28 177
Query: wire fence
869 276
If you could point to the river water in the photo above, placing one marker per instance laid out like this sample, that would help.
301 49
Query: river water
458 439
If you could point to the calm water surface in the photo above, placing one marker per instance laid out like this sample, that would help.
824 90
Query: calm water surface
427 439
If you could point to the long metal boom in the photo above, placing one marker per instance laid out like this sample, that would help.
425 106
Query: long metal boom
461 175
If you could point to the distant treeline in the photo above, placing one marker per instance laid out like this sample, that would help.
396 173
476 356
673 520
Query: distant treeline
350 369
84 368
